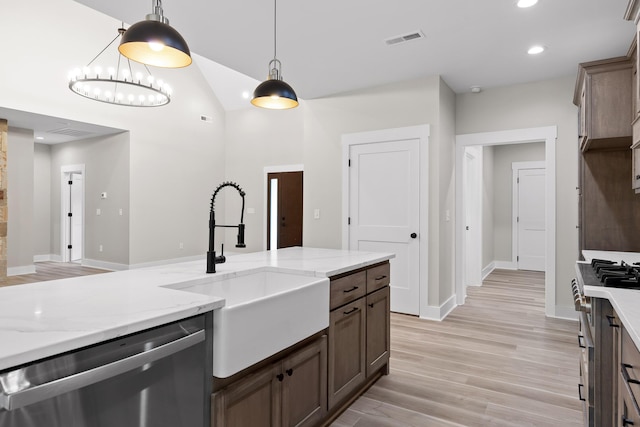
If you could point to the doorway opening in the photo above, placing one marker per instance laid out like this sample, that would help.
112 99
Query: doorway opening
284 209
547 135
72 213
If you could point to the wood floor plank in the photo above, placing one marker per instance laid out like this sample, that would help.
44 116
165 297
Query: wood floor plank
495 361
46 271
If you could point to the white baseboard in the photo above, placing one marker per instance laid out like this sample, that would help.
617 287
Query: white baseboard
567 312
488 269
506 265
104 265
45 257
169 261
439 313
19 271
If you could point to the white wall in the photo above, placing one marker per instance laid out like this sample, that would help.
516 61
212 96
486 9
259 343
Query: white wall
487 206
545 103
175 159
20 236
504 156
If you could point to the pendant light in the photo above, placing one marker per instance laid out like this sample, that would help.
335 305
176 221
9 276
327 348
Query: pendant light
154 42
274 93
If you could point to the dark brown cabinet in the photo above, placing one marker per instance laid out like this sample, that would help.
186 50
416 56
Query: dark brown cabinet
289 392
359 331
628 412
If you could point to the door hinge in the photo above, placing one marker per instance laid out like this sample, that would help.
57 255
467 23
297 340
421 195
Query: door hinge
349 221
70 214
69 246
518 258
349 162
70 182
518 180
517 219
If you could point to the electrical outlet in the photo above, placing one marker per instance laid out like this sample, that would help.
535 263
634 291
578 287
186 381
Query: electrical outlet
98 211
120 211
316 214
100 248
181 245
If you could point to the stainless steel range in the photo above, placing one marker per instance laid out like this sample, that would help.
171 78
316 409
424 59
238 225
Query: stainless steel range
594 337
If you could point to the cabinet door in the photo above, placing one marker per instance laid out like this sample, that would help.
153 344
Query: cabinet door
628 408
347 364
378 327
252 401
304 388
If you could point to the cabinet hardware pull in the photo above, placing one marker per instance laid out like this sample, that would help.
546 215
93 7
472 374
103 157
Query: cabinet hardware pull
580 393
610 319
346 291
280 377
289 371
626 421
381 277
580 343
637 176
353 310
371 305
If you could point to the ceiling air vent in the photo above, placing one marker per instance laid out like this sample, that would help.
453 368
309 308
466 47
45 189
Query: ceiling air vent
70 132
416 35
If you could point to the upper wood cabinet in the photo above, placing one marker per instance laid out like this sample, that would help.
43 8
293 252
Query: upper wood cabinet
604 94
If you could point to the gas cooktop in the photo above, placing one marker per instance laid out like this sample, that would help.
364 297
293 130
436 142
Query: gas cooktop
601 272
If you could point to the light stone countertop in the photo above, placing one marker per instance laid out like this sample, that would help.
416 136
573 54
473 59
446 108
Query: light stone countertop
43 319
626 302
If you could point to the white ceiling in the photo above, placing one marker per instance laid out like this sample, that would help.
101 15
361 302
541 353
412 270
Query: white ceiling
337 46
334 46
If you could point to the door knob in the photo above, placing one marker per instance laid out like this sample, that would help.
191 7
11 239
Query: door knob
414 235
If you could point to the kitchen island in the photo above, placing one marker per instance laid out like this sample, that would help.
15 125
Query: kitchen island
322 315
43 319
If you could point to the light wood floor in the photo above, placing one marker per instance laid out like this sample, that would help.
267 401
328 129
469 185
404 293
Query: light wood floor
495 361
52 271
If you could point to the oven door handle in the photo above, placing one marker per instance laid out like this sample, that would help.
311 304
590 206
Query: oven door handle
73 382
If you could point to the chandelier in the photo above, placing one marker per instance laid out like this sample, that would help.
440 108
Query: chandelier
124 83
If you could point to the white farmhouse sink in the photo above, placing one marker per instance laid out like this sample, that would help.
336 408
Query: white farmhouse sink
265 312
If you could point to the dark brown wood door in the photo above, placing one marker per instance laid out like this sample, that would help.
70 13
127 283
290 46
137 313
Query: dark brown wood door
289 206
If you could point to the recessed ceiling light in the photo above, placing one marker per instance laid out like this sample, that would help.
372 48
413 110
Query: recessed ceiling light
534 50
39 138
245 94
526 3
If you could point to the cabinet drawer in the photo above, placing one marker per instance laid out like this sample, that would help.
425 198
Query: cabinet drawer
347 289
378 277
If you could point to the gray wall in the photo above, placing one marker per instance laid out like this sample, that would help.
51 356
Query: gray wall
487 206
504 156
106 161
42 201
545 103
20 230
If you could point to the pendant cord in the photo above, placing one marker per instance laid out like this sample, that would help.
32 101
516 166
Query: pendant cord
275 26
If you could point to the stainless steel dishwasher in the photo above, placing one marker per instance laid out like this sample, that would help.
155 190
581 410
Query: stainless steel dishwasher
155 378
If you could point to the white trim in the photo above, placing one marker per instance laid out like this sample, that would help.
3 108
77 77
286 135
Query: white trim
505 265
439 313
43 258
567 312
516 167
104 265
265 190
164 262
547 134
488 270
56 258
19 271
64 170
421 132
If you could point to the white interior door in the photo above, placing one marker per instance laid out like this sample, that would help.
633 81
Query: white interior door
384 204
530 219
473 216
